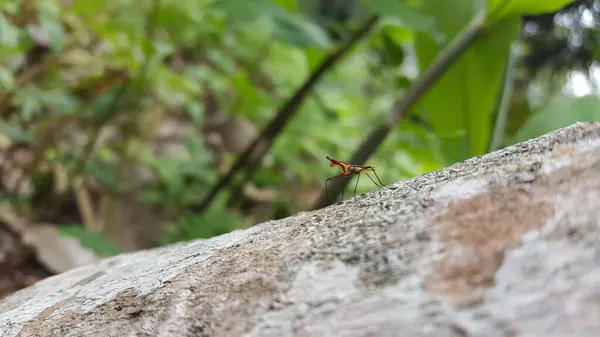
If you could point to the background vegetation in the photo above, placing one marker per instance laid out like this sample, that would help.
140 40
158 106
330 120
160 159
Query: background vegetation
122 119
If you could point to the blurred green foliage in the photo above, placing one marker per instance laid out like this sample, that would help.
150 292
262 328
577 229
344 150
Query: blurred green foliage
70 69
97 242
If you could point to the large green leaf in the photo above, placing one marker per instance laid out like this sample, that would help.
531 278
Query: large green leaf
560 112
460 106
502 8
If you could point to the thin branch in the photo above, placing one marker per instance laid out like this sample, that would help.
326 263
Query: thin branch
288 110
504 101
440 65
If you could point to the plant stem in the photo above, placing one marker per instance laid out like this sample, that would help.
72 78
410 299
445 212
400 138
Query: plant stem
504 102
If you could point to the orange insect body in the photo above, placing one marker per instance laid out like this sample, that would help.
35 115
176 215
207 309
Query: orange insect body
349 170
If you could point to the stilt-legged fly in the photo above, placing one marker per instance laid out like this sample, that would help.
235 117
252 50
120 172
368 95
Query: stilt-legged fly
349 170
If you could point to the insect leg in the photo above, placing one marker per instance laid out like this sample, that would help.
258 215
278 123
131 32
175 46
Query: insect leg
380 184
356 185
376 176
326 191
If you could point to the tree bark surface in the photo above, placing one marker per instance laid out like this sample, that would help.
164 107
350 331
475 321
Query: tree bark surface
507 244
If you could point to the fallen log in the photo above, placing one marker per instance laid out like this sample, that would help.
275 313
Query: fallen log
505 244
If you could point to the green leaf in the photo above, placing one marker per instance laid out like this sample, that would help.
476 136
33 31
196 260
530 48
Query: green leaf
461 104
49 20
9 34
168 171
291 29
560 112
7 80
298 31
240 11
403 82
60 101
98 242
247 97
214 221
176 17
14 199
290 5
16 133
105 174
394 54
407 16
107 101
501 8
10 6
179 181
85 8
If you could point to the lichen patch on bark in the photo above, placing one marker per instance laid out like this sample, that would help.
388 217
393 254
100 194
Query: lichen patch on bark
476 232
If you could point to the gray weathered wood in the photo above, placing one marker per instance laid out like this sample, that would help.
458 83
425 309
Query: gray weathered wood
502 245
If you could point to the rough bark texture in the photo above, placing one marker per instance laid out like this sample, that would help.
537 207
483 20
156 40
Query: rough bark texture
501 245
